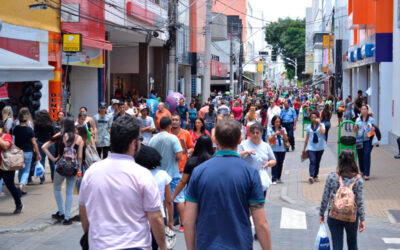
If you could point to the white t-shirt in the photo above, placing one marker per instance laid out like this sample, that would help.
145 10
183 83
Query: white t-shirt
263 153
162 179
145 123
271 113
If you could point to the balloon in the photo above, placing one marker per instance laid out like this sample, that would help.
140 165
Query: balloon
173 100
153 105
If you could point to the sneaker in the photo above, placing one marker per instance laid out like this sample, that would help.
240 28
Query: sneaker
316 180
67 222
181 229
274 182
57 216
311 180
76 218
293 148
18 210
397 156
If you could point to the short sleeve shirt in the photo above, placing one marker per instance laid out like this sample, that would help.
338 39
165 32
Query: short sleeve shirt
223 187
362 126
263 153
278 147
23 136
320 145
182 110
148 121
289 115
168 146
103 124
162 178
126 225
185 136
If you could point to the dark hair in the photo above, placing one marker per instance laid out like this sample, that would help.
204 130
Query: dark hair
124 130
203 150
80 115
165 121
148 157
274 119
82 131
68 127
42 119
364 105
359 91
211 109
83 107
176 114
325 112
256 126
203 127
23 114
314 113
227 133
61 112
347 164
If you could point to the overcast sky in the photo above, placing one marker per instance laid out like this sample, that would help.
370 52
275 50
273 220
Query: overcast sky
274 9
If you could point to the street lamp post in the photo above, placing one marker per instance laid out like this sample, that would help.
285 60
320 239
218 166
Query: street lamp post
294 64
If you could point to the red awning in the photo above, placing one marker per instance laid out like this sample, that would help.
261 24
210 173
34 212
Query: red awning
96 44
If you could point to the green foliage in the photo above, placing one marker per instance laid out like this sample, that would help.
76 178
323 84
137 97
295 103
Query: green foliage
287 36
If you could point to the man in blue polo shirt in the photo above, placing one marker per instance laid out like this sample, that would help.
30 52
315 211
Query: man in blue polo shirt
289 119
221 193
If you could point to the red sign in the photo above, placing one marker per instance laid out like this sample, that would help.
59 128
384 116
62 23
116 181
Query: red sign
139 12
24 48
218 68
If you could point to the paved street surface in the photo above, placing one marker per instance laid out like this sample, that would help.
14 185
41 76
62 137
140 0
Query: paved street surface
292 208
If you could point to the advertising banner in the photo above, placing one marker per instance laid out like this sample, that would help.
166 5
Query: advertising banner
89 57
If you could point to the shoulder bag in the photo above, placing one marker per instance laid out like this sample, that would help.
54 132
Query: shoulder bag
12 159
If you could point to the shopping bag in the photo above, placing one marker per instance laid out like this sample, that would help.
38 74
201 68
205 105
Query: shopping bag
265 179
322 240
39 170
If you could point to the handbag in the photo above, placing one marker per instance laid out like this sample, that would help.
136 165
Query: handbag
12 159
265 179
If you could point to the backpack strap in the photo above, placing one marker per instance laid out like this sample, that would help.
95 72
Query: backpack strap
354 182
65 142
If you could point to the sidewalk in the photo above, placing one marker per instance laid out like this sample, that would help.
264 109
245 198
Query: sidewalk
39 204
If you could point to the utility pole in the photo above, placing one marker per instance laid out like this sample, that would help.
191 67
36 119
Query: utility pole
205 88
172 59
240 81
232 88
295 71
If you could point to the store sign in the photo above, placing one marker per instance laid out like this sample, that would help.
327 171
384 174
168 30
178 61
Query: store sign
260 67
89 57
326 41
72 43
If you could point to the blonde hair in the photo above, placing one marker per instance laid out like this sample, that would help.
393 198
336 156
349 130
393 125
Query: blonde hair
6 113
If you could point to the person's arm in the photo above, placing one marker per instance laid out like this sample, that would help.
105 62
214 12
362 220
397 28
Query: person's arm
181 184
80 143
325 196
169 205
4 144
84 218
94 128
157 227
261 225
178 156
190 224
359 193
321 127
305 143
187 117
45 149
36 149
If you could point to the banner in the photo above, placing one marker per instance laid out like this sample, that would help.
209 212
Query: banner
89 57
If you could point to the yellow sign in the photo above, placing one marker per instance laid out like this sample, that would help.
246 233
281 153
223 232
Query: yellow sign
326 41
260 67
72 42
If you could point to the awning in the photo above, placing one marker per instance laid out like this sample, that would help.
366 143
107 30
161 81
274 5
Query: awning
250 68
222 82
245 78
17 68
90 42
318 82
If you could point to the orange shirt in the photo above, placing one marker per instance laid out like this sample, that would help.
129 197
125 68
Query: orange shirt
184 136
159 115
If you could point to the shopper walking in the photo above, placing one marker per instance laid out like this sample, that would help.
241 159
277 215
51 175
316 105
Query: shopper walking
289 120
7 118
103 124
44 131
161 112
314 145
199 130
237 110
138 198
348 176
9 176
209 117
63 139
192 116
277 136
24 138
326 116
365 129
148 126
184 113
273 110
340 107
349 113
220 195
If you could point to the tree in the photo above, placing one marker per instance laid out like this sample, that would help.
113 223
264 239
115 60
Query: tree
287 37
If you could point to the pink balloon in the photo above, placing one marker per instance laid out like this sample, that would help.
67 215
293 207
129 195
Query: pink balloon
173 100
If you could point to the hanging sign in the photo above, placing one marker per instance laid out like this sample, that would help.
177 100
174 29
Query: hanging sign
72 43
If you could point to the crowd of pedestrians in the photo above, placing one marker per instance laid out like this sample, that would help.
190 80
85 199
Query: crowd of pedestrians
252 132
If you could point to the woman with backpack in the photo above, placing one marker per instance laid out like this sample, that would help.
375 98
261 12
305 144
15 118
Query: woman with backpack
44 130
344 198
66 141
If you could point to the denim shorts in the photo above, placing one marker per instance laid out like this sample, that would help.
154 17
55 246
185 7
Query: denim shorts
180 198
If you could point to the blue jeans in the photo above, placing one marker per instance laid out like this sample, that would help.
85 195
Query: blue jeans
23 174
337 227
315 160
69 193
364 157
183 123
191 124
277 169
289 129
209 126
327 127
52 150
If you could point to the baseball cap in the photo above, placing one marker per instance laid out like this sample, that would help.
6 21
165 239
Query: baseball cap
103 105
142 107
114 101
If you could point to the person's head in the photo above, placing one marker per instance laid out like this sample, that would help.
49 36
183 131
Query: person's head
272 103
125 132
148 157
121 108
24 115
359 93
211 108
181 102
161 106
103 108
43 119
339 98
199 125
165 123
68 127
203 147
231 116
143 111
6 113
82 131
82 117
227 134
175 120
287 105
83 110
314 115
191 105
60 115
364 110
236 104
276 121
219 118
325 111
126 105
347 165
256 131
